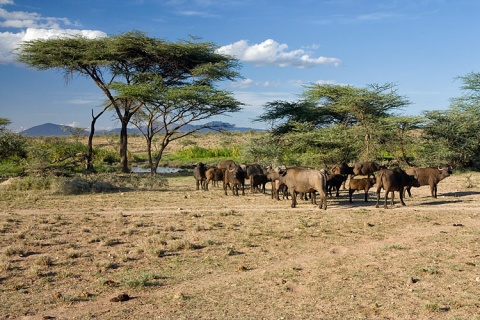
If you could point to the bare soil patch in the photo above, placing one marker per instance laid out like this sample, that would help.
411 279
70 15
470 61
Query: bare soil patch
186 254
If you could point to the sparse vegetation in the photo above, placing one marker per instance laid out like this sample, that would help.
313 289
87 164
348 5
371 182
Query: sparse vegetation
194 253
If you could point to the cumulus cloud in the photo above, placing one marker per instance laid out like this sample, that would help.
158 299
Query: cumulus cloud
270 52
30 26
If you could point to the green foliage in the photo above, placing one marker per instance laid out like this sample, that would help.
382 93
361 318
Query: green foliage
11 168
453 137
12 146
102 156
196 152
173 82
3 123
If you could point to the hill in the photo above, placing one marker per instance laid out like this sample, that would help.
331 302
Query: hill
50 129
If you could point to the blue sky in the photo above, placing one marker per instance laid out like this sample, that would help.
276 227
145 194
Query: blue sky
420 45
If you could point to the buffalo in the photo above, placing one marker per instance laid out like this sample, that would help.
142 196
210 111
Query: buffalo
335 182
366 169
277 185
226 164
213 174
251 169
234 176
429 176
393 180
257 181
199 175
300 180
343 169
360 184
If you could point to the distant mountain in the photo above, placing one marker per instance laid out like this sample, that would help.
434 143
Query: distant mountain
50 129
47 129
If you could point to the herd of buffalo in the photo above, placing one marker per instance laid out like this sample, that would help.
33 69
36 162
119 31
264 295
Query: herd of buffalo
308 183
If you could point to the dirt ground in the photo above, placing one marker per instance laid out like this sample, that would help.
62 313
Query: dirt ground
180 253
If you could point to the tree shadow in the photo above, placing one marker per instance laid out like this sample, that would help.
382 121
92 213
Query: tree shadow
461 194
453 197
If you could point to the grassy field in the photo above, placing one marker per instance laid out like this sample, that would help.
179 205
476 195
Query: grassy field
178 253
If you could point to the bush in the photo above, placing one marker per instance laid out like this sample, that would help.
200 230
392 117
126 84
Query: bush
12 145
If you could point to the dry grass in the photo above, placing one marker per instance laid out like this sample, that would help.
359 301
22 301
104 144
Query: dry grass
185 254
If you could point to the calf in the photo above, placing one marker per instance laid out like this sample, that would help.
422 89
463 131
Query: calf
360 184
335 182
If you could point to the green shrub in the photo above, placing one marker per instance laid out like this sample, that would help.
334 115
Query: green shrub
12 145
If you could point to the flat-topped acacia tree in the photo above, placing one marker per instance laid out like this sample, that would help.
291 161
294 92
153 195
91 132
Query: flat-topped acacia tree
129 67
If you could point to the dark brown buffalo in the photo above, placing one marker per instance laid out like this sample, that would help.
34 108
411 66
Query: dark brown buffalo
258 182
429 177
277 185
252 169
360 184
366 169
334 182
300 180
234 177
225 164
393 180
344 169
199 175
213 174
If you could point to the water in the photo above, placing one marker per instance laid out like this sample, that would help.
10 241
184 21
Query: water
159 170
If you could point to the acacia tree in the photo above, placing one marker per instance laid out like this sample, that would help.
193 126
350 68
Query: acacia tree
168 112
336 108
400 136
453 136
123 65
358 106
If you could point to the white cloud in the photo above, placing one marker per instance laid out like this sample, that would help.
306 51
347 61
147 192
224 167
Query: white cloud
32 26
74 124
270 52
322 82
242 84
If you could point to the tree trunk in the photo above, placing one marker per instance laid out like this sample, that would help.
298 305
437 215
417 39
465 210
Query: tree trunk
157 160
123 148
150 159
89 158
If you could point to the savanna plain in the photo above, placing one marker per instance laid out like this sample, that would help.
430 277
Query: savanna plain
182 253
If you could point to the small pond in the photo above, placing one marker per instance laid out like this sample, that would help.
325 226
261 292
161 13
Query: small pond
159 170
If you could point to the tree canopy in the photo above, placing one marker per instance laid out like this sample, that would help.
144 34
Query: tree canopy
131 68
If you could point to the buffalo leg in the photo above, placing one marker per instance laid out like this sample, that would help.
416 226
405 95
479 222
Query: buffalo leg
401 197
225 184
294 198
378 197
433 190
408 191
